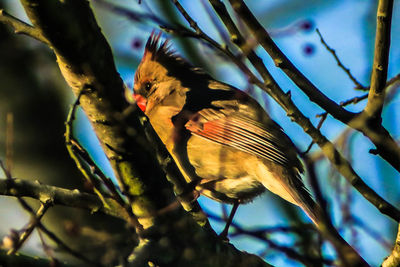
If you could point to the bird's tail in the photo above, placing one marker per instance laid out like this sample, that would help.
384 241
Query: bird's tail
303 199
326 228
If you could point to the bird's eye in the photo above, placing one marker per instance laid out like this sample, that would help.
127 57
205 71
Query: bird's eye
147 86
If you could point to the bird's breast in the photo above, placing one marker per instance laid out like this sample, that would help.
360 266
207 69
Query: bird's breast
161 121
226 172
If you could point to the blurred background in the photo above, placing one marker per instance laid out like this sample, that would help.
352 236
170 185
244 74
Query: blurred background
34 92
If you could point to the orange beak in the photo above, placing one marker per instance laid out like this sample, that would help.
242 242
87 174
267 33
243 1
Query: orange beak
140 101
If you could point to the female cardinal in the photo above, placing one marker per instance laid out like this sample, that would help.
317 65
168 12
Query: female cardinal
220 138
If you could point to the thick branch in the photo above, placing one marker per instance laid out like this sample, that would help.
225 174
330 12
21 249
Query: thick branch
376 96
86 61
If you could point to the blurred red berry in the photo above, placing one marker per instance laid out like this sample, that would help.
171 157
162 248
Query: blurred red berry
306 25
308 49
136 43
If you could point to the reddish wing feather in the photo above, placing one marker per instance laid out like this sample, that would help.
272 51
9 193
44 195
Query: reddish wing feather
239 133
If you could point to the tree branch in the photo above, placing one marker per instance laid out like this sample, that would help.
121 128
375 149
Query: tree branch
386 146
58 196
21 27
342 165
25 260
86 61
77 50
376 96
35 220
282 62
358 85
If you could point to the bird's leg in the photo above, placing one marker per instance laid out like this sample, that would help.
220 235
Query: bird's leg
224 233
190 194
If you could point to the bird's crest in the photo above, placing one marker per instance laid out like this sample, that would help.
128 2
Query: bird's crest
161 52
156 51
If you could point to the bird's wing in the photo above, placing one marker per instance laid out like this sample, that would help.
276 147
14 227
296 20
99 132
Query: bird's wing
243 133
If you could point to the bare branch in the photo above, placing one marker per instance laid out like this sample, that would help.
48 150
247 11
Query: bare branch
62 245
21 27
26 260
281 61
77 42
359 86
59 196
35 220
18 188
343 166
376 95
386 146
347 253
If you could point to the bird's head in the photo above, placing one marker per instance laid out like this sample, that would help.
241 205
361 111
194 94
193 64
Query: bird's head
161 72
152 74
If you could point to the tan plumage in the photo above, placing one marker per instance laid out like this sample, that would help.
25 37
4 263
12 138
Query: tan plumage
218 135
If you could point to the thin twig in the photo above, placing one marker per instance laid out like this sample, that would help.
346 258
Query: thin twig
386 146
75 149
328 148
217 24
35 219
9 141
345 251
61 244
359 86
46 199
47 250
392 90
262 234
238 39
320 123
281 61
21 27
71 144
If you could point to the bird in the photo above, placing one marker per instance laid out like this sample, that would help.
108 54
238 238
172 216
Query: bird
221 139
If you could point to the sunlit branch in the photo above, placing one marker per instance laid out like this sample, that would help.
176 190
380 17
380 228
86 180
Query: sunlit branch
35 220
21 27
327 147
59 196
376 96
77 42
345 251
386 146
281 61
